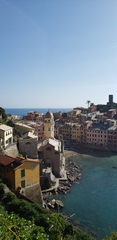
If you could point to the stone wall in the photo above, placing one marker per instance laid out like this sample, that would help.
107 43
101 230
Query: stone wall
12 150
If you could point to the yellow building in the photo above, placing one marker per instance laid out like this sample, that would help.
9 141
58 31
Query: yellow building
19 172
65 130
48 125
75 132
78 135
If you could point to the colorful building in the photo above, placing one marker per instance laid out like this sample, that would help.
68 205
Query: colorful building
39 131
112 136
34 116
6 136
75 132
97 134
65 130
19 172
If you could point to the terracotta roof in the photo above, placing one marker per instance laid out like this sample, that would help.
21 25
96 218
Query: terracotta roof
14 162
5 160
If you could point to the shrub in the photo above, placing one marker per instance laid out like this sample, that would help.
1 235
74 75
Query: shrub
8 197
2 187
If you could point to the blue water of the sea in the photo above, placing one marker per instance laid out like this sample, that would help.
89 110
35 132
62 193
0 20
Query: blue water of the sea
93 202
23 111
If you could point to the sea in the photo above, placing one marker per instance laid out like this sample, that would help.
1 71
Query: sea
23 111
91 204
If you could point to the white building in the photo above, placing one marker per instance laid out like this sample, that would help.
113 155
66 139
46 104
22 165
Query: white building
6 135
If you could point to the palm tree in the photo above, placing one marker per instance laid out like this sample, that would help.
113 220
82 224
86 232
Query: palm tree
88 102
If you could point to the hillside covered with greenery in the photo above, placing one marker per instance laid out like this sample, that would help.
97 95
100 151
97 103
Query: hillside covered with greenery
20 219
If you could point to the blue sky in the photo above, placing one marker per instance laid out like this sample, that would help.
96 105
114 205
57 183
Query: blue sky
57 53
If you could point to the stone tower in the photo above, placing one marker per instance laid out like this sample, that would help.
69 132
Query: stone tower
48 125
110 99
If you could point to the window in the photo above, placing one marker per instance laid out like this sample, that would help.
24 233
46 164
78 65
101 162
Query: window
23 184
23 173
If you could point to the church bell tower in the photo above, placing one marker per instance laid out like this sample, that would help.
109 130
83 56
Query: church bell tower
48 125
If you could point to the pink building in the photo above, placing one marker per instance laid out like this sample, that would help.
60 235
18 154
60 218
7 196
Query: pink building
39 131
34 116
97 134
56 132
112 136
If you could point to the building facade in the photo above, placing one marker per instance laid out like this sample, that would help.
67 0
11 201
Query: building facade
50 151
28 145
19 172
6 135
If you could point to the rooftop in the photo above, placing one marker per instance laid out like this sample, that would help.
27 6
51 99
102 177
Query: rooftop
49 115
5 160
14 162
99 126
5 127
54 142
30 135
23 125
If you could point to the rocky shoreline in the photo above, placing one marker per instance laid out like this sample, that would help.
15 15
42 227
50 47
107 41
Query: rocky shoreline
73 172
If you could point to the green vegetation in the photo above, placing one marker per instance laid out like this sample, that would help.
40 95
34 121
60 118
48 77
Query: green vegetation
4 119
3 114
14 227
113 237
20 219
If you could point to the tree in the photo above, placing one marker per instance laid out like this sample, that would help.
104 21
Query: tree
88 103
10 123
2 112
